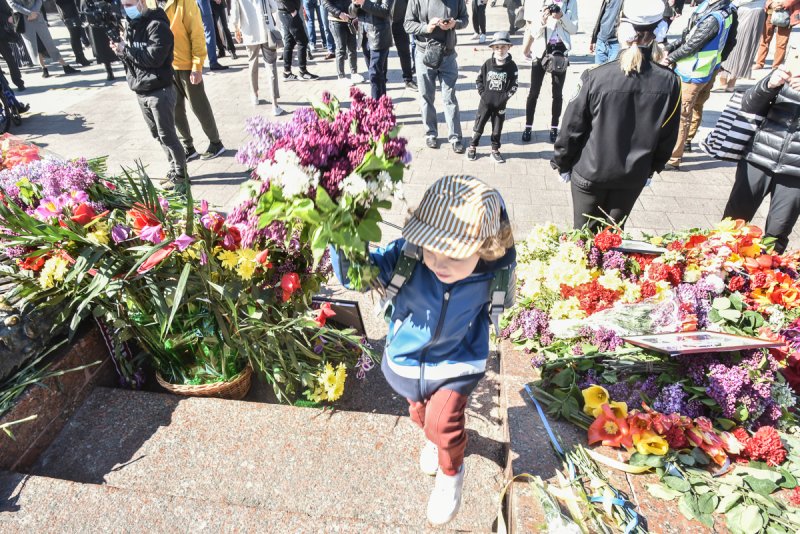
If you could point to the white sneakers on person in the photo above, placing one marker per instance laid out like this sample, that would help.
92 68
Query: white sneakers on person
356 78
445 500
277 111
429 458
482 38
254 99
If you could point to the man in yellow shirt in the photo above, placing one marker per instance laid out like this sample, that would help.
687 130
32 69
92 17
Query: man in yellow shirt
190 53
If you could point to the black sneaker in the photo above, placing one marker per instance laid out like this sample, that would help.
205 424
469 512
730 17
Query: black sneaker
69 70
45 72
458 147
431 142
526 135
172 179
687 147
497 157
472 153
191 154
308 76
213 150
219 66
289 77
553 134
411 84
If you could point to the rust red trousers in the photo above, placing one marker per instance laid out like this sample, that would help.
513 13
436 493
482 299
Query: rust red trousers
443 420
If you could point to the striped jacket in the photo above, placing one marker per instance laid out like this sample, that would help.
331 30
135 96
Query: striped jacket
438 333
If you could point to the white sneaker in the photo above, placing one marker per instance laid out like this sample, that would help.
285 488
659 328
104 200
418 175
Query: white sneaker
429 458
254 99
356 78
482 38
475 37
277 111
446 497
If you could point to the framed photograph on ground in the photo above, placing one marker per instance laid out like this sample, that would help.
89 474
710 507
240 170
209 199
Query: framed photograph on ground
348 314
639 247
675 343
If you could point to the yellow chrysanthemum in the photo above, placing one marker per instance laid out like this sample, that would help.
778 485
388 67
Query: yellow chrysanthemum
567 309
632 293
692 273
247 254
663 289
229 259
611 279
99 235
53 271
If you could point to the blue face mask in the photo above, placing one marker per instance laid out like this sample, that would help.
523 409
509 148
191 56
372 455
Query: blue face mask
132 12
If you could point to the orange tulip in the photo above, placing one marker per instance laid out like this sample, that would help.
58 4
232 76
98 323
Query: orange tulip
610 430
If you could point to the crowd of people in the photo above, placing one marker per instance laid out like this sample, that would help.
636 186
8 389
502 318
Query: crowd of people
641 78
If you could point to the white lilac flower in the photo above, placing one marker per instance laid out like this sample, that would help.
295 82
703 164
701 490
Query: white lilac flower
783 395
354 185
716 283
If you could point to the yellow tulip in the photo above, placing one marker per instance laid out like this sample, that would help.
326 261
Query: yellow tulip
593 398
650 443
620 409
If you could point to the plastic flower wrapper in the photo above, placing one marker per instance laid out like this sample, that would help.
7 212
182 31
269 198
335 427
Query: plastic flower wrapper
328 173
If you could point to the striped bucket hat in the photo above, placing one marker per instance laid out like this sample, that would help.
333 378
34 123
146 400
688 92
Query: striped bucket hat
457 214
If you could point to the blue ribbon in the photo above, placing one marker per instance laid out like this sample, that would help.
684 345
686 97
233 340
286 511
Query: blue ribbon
626 505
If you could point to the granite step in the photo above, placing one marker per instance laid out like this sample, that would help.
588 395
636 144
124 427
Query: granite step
327 465
41 504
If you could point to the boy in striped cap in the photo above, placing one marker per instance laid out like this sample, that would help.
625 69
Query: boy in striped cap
443 278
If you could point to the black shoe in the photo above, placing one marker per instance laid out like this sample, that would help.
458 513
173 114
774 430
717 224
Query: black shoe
234 55
219 66
553 134
497 157
191 154
431 142
45 72
20 86
110 76
526 135
22 108
213 150
221 53
458 147
84 62
289 77
687 147
671 167
411 84
70 70
305 75
173 180
472 153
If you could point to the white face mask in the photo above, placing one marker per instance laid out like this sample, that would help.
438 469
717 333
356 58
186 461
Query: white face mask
500 56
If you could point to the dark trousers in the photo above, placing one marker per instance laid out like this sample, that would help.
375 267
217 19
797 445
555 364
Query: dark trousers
294 33
378 69
75 33
750 188
537 77
345 47
158 109
402 43
616 203
511 11
478 17
221 22
201 107
11 61
365 48
485 114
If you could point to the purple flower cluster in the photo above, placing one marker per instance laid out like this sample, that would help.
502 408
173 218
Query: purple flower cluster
697 296
614 259
606 340
672 399
49 177
595 257
630 392
534 324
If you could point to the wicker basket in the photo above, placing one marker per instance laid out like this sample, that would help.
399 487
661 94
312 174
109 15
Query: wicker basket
234 389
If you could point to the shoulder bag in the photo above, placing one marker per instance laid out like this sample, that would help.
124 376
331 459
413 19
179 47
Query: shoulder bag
274 36
733 132
554 62
781 18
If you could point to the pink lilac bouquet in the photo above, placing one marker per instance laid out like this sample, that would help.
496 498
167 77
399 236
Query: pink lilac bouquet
328 172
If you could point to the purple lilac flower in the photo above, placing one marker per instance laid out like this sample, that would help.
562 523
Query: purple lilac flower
613 259
537 360
534 324
724 386
606 340
590 378
595 257
672 399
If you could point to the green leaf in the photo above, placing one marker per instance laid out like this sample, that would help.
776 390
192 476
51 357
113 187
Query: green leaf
730 315
686 459
304 209
707 503
727 502
662 492
564 378
676 483
721 303
369 230
178 297
700 456
773 528
324 201
688 506
761 474
726 424
789 481
760 486
751 520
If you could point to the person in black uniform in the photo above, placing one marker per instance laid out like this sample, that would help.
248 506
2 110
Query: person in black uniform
497 83
7 37
97 32
622 125
68 9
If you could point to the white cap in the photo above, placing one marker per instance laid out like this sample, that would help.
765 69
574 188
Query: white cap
643 14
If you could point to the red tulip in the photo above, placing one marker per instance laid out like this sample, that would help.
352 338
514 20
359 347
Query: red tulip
156 258
83 214
323 313
142 216
609 429
290 282
263 259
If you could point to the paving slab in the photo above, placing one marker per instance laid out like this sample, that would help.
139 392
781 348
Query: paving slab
48 505
324 464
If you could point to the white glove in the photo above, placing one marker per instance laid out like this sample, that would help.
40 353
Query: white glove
565 177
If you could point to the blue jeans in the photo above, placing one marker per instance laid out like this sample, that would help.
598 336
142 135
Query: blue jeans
315 11
378 69
210 32
447 74
605 52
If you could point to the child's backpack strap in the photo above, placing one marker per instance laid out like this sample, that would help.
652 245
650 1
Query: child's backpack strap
497 293
403 269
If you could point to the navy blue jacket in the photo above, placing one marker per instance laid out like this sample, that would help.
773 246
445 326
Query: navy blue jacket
438 333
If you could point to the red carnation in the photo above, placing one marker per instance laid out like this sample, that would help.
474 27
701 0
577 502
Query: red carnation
736 283
606 240
758 279
794 496
766 445
675 245
323 313
648 289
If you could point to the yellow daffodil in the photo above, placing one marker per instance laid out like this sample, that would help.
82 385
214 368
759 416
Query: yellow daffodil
594 397
650 443
229 259
657 241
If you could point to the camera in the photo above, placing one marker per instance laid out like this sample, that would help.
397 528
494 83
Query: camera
105 16
553 9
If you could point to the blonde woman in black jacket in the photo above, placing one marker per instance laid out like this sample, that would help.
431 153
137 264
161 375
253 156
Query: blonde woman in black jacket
621 126
772 164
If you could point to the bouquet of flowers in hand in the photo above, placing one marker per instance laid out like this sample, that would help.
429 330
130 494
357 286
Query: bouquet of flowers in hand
329 171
